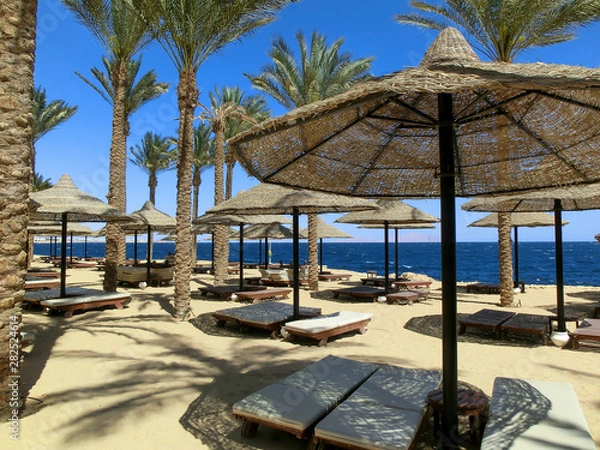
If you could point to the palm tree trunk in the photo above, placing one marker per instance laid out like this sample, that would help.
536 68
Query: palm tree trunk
505 255
115 238
229 180
221 232
196 181
152 182
313 253
17 48
187 99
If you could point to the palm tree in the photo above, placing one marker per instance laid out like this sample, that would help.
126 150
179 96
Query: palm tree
320 73
155 155
503 29
16 47
46 117
204 156
227 115
122 34
189 33
39 183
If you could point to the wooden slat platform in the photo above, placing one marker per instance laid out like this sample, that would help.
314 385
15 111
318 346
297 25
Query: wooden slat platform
532 324
359 292
262 294
585 332
486 319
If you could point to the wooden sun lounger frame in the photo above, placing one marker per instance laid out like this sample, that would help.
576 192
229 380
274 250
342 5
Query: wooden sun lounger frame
71 304
586 334
323 336
335 276
406 297
262 294
531 324
225 291
485 319
359 292
411 284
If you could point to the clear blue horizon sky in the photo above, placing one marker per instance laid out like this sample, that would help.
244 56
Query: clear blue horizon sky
80 147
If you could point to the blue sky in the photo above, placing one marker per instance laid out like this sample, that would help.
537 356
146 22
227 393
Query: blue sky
80 147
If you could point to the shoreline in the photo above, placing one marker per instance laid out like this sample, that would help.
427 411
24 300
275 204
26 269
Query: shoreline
137 376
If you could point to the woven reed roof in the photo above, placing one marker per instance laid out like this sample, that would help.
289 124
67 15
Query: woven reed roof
232 219
521 219
398 226
573 198
325 230
270 231
273 199
518 127
149 216
390 211
64 197
54 229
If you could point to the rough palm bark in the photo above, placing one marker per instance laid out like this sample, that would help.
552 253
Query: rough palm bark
505 253
221 235
187 99
17 48
230 163
313 253
115 238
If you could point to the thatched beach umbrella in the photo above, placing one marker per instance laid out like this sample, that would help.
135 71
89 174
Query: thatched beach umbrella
272 199
64 202
523 219
452 126
396 227
240 220
393 212
149 219
326 231
572 198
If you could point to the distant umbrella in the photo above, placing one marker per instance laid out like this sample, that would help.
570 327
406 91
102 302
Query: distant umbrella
517 220
396 227
390 212
55 229
148 219
326 231
64 202
273 199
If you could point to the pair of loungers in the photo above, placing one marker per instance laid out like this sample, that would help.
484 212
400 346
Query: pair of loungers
278 318
359 405
352 404
503 323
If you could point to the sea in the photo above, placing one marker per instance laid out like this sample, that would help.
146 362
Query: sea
476 261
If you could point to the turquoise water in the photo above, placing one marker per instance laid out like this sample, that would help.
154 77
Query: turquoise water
476 261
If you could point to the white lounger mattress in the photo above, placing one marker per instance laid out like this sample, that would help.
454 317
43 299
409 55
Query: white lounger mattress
327 322
301 399
384 413
530 414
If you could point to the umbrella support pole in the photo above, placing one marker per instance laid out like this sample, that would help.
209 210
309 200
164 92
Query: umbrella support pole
449 308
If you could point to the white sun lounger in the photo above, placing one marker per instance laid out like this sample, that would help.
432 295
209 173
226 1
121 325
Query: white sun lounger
384 413
35 297
323 327
297 402
531 414
82 302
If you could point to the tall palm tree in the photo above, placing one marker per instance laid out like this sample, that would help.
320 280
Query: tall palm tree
503 29
47 116
190 31
204 157
155 155
227 115
123 34
319 73
16 52
40 183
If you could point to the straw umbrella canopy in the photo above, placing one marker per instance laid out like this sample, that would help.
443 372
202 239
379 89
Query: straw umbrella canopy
241 220
452 126
325 230
393 212
572 198
522 219
396 227
149 219
273 199
64 202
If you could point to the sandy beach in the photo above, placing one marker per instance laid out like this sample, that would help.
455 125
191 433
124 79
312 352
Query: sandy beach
137 378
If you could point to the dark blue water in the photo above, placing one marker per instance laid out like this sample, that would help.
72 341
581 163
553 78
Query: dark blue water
477 261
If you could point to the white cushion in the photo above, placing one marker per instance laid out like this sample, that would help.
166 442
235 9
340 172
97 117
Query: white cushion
327 322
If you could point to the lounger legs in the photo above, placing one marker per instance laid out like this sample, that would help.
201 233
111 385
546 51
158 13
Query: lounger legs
249 429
